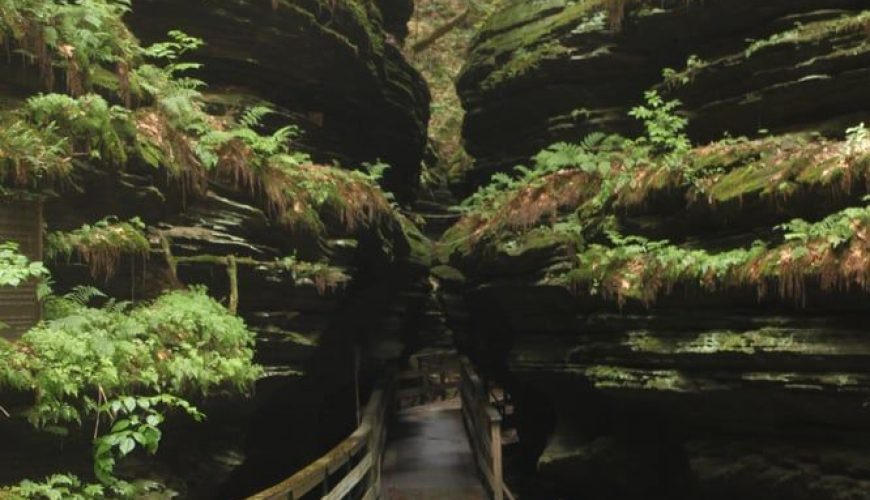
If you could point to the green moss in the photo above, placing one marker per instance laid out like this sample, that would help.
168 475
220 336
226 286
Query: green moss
769 339
422 248
512 52
541 238
369 17
783 166
832 31
362 13
814 32
522 62
616 377
745 180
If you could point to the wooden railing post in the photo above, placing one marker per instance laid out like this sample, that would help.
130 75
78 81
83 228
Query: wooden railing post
324 486
497 479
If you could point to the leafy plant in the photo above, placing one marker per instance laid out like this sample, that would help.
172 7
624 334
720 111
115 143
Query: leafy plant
135 424
183 343
632 267
127 368
15 268
665 129
179 44
610 158
55 487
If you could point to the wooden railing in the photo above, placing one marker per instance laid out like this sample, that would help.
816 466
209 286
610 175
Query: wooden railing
432 376
483 425
353 468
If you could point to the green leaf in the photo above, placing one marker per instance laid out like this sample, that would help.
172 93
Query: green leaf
126 446
121 425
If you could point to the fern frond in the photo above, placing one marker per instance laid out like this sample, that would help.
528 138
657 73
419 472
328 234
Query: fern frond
254 115
83 295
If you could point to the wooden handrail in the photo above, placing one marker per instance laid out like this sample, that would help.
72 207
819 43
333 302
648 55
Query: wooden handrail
357 458
415 384
483 425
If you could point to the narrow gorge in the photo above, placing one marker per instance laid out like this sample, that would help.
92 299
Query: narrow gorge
645 223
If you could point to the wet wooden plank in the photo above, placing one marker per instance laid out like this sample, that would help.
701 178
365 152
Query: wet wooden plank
429 456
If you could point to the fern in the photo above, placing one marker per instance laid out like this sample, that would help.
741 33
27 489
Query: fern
32 156
96 129
253 116
80 37
82 295
857 140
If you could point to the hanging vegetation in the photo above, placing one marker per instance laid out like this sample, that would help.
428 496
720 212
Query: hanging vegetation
579 190
100 245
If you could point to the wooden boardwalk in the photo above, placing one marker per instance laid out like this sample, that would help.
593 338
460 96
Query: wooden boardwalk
428 456
425 455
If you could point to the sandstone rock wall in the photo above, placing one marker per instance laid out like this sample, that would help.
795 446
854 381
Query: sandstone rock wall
333 69
548 71
637 381
330 65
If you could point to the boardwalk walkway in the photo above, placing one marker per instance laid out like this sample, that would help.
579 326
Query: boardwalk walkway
428 456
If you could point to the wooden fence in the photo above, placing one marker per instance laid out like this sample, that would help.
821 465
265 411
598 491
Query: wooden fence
353 468
483 425
20 222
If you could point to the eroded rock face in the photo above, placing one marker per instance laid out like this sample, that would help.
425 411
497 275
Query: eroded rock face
548 71
753 388
308 326
699 395
330 65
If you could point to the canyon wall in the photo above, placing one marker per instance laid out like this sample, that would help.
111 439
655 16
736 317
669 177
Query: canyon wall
661 333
